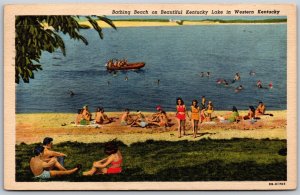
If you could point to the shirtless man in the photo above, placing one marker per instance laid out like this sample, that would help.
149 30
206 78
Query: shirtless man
86 113
126 118
40 168
101 117
261 109
48 154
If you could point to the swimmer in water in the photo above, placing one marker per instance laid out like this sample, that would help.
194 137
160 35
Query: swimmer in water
126 78
239 88
237 77
208 74
71 93
202 74
259 84
252 73
271 85
158 81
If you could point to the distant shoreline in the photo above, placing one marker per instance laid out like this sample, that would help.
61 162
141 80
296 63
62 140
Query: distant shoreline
156 22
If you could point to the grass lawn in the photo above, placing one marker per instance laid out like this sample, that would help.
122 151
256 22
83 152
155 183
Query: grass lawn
203 160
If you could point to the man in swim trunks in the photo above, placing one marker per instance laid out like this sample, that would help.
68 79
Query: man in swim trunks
48 153
40 168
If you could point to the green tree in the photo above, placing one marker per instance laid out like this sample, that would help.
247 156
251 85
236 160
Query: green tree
35 34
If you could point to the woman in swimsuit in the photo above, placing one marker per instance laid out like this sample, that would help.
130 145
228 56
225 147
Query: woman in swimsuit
180 116
109 165
195 110
210 109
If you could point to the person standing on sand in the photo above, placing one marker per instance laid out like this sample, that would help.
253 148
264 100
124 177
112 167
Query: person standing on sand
180 116
48 153
109 165
195 115
40 168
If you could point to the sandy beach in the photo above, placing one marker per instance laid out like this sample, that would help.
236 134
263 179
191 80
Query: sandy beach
32 128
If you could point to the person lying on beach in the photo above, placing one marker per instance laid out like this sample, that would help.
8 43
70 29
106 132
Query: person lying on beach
49 153
155 116
230 117
40 168
86 113
251 113
140 120
126 119
101 117
109 165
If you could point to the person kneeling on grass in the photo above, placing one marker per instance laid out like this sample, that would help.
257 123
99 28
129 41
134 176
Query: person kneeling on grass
109 165
40 168
49 153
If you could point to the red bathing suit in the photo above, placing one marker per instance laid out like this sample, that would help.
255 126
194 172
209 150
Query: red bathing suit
114 170
181 112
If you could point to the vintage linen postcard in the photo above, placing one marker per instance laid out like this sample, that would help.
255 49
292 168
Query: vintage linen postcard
150 97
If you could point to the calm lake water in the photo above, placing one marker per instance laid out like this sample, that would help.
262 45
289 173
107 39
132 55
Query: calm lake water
175 56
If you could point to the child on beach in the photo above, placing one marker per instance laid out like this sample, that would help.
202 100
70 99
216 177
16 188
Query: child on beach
195 111
109 165
40 168
180 116
210 109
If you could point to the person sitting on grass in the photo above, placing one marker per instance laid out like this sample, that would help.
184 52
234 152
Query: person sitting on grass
48 153
109 165
251 113
126 119
140 120
101 117
230 117
86 113
40 168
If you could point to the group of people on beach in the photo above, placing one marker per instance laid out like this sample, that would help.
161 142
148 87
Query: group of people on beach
47 163
198 114
116 63
203 114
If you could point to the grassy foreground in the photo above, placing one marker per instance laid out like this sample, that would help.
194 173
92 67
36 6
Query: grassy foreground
203 160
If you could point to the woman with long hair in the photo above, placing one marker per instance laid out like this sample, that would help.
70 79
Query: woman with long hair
180 116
